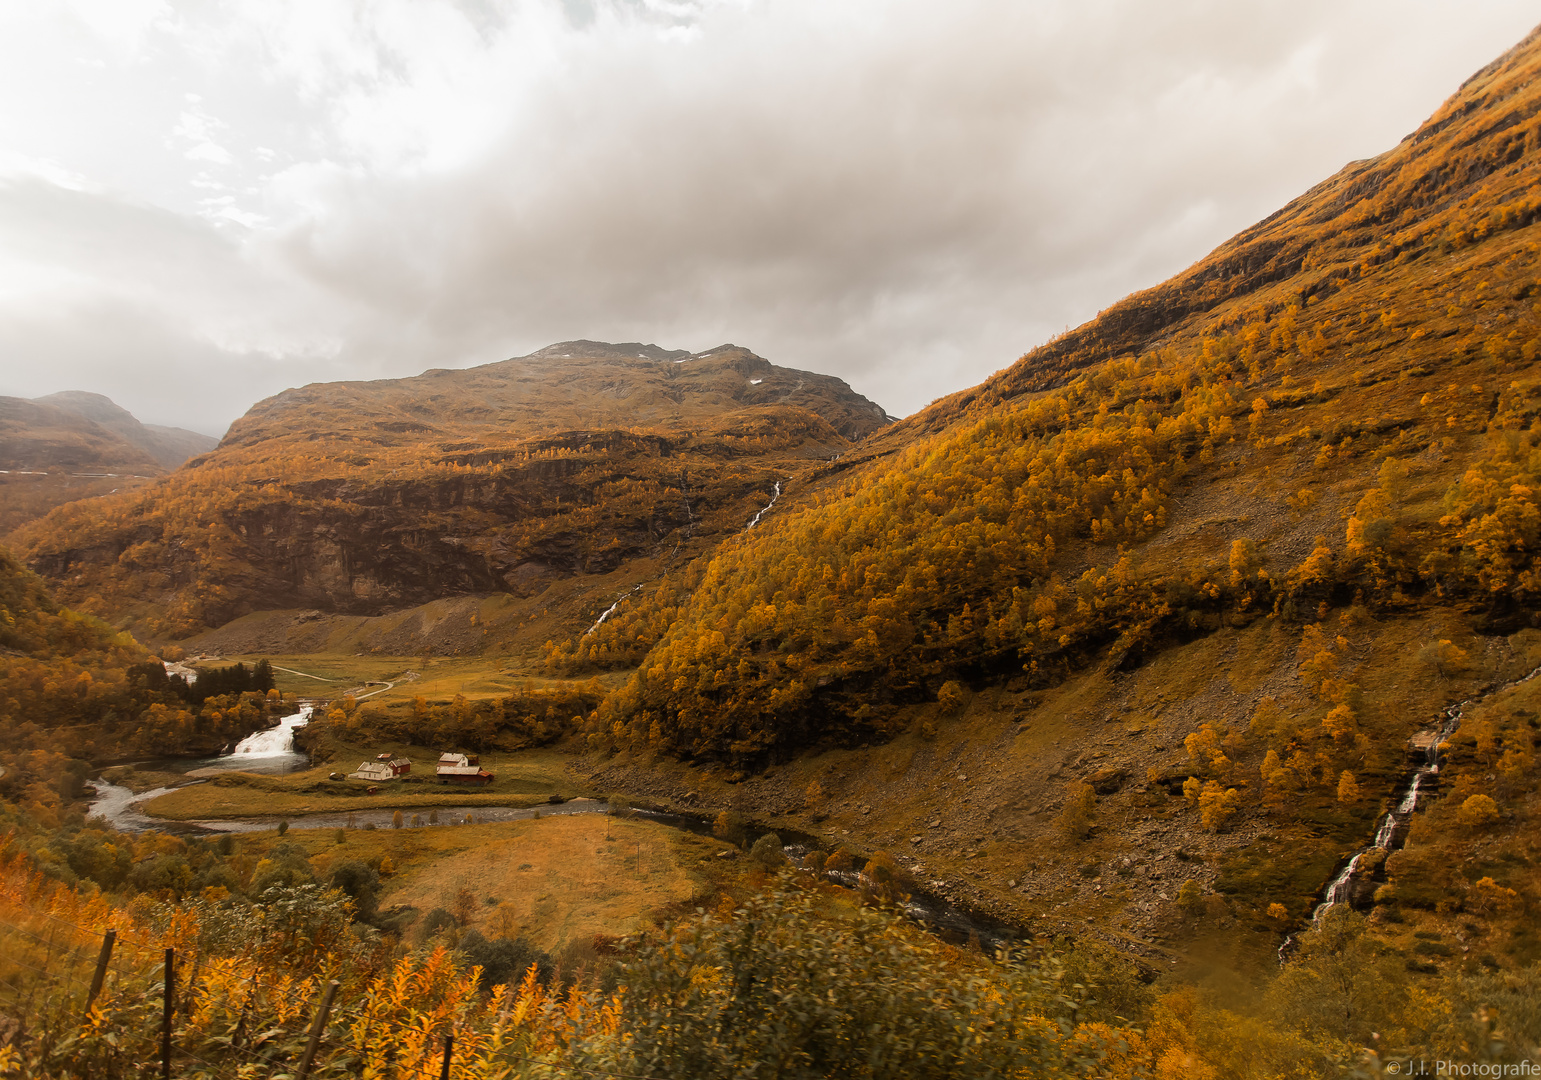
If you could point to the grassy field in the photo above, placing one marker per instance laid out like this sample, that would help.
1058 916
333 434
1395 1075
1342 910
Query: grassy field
527 778
438 679
560 879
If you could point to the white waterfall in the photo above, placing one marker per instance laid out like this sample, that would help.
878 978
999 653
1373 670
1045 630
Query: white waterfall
1386 836
756 519
275 740
608 612
183 670
1339 890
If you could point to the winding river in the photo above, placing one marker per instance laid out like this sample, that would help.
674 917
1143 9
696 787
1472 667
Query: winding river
121 807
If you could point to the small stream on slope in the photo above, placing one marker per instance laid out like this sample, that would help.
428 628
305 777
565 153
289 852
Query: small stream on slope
610 611
1346 887
764 509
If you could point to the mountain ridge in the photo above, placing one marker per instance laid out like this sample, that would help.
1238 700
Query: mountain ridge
76 445
363 497
169 446
655 389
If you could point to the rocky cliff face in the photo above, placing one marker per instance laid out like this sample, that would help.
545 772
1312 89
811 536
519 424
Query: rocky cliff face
361 498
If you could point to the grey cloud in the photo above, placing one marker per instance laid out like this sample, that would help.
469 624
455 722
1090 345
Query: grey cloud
905 194
147 365
908 195
157 310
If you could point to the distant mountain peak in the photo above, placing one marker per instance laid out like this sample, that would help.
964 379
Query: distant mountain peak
569 385
97 407
81 429
563 350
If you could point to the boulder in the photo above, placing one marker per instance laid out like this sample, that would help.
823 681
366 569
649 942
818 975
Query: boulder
1107 781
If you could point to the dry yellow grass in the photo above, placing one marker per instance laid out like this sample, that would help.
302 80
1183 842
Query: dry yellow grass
562 878
436 679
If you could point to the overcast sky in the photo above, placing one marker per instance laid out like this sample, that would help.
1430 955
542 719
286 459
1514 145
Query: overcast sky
203 203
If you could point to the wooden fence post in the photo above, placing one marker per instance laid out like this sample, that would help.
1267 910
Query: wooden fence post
166 1015
449 1048
100 976
316 1029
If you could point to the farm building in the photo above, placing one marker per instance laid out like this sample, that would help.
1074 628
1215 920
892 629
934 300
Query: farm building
399 766
373 770
462 769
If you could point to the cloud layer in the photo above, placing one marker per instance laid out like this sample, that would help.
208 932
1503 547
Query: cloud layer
201 205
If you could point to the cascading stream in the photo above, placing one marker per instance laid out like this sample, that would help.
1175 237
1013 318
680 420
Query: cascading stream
1392 830
609 611
275 740
764 509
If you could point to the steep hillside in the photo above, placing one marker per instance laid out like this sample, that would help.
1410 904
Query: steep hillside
1216 556
1373 381
1401 225
360 498
1396 224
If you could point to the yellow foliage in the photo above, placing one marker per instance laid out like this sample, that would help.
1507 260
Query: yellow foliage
1348 789
1477 811
1340 723
1077 815
1488 897
1217 806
